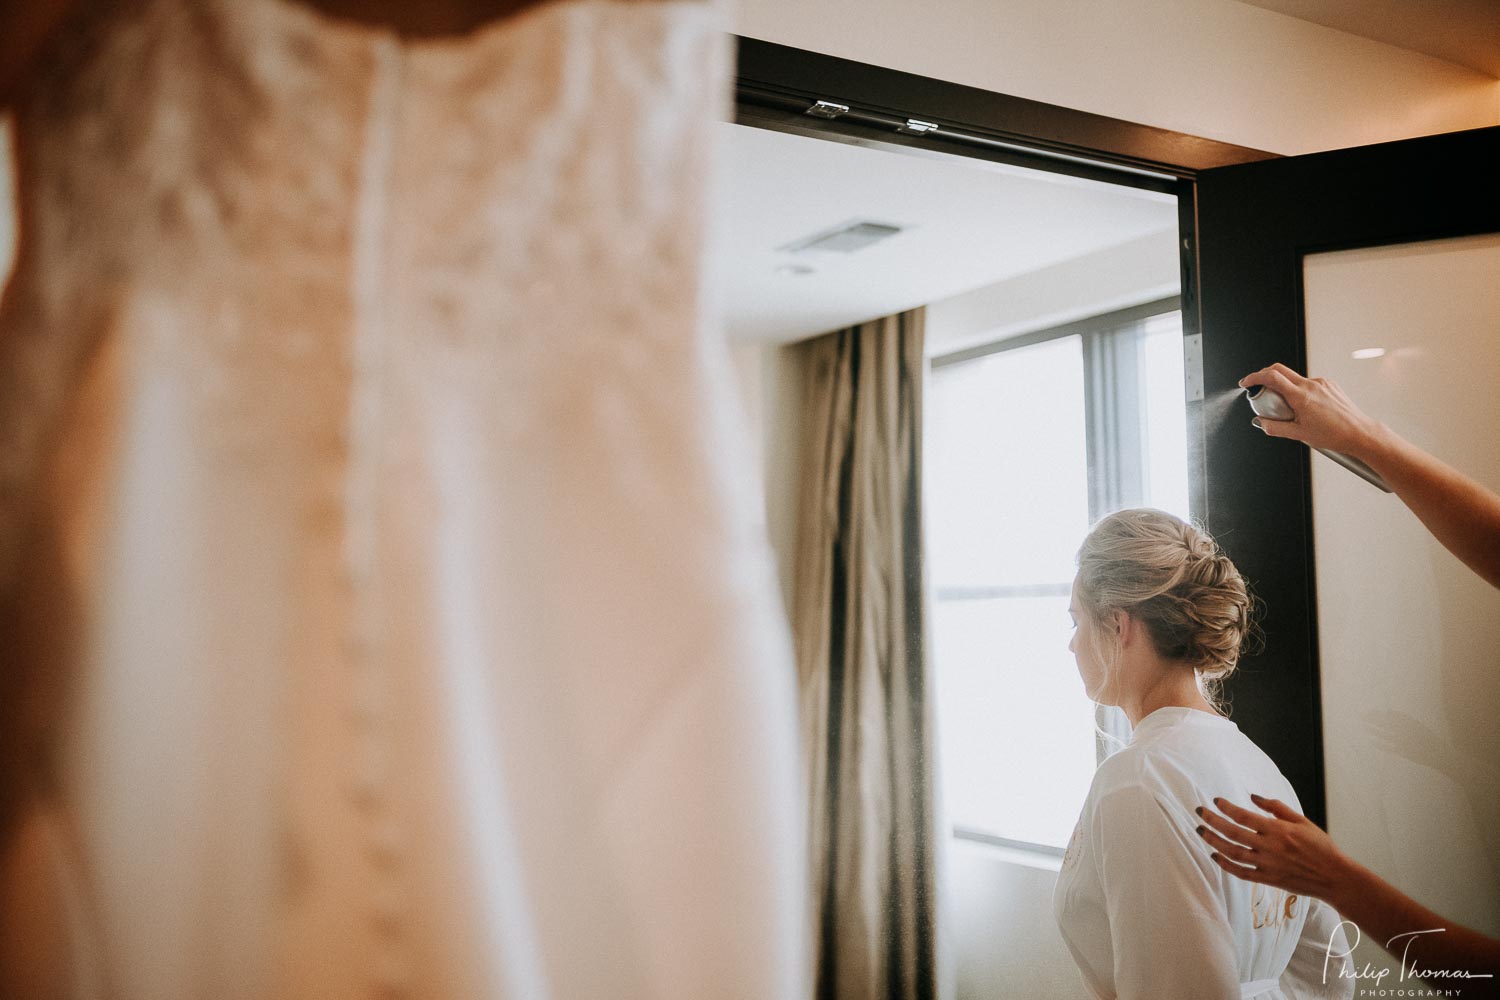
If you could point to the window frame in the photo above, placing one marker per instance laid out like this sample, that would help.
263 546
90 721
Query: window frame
1107 409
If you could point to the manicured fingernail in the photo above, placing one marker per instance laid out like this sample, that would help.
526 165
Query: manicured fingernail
1199 810
1218 801
1255 422
1214 856
1200 831
1257 799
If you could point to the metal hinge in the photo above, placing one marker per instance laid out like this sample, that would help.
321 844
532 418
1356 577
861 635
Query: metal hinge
827 109
914 126
1192 367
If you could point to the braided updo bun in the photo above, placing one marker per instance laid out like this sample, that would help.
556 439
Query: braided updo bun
1171 577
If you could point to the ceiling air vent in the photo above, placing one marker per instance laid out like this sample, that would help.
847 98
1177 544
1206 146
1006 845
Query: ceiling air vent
846 238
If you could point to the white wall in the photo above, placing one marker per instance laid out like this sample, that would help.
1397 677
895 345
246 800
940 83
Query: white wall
770 379
1408 635
1214 68
1140 270
1000 927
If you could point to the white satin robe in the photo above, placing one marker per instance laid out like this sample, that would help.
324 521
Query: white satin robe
1146 912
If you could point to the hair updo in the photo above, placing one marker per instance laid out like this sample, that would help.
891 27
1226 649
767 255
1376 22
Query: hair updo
1170 576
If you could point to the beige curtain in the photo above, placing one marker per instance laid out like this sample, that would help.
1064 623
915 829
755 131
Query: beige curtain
860 627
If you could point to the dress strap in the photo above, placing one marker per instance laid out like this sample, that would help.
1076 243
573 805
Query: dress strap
1259 986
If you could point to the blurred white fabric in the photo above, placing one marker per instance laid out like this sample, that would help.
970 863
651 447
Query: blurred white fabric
391 613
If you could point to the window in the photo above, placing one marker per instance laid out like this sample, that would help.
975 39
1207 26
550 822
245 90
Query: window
1029 440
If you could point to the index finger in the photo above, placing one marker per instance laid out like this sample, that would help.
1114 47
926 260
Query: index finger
1227 827
1278 377
1259 822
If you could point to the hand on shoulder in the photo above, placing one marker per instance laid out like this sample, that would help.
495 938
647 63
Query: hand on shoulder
1278 847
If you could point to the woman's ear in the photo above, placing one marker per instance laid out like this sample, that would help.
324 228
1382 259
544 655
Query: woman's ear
1125 627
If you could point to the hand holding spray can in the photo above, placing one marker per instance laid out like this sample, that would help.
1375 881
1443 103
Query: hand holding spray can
1270 405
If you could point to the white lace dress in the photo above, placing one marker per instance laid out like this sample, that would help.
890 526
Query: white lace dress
384 611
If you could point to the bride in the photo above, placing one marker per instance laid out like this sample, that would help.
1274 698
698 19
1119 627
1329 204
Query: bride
1159 616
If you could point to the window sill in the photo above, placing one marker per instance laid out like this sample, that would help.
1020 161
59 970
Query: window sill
1010 852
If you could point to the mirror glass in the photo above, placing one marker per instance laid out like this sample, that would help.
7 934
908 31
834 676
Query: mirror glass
1054 395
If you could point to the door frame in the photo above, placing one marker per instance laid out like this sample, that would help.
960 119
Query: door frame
1258 221
776 85
780 88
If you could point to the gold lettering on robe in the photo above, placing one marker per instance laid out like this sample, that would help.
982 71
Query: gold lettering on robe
1271 907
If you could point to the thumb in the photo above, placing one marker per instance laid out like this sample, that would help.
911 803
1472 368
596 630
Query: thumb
1276 808
1274 428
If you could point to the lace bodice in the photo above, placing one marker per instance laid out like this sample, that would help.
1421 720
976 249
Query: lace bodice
363 444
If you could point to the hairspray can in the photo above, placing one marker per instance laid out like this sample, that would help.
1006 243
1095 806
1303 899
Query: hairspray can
1270 405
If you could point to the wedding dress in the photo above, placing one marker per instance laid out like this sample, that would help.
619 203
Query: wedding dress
386 613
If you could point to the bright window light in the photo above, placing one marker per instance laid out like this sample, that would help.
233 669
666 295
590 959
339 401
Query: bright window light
1007 503
1007 496
1162 379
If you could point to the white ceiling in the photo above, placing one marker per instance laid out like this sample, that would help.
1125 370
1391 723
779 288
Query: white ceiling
967 224
1466 32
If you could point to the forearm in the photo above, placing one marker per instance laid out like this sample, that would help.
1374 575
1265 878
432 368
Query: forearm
1461 514
1392 918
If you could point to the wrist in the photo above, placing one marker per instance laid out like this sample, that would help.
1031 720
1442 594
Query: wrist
1350 886
1376 444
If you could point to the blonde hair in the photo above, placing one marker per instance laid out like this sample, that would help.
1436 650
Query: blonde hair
1170 576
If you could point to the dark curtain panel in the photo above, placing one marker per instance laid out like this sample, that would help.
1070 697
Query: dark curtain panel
861 631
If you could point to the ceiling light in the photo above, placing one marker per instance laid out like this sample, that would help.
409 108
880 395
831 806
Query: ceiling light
1366 353
845 238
